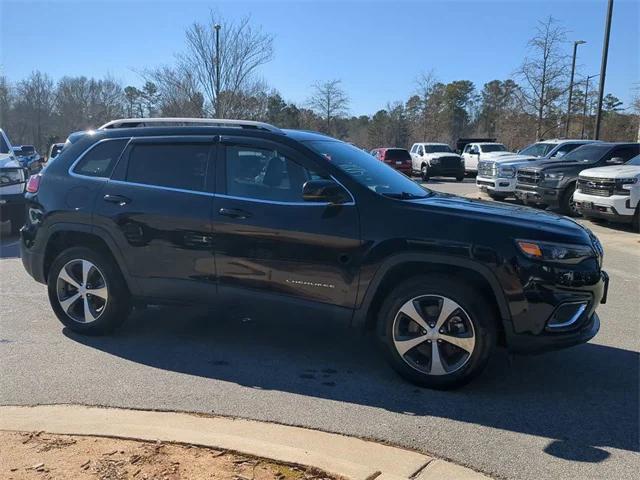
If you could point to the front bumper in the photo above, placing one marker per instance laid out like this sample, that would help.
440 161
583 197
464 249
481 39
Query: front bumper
538 195
617 208
12 206
496 184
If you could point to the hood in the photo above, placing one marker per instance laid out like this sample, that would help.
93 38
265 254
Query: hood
496 155
514 157
521 217
8 161
613 171
552 164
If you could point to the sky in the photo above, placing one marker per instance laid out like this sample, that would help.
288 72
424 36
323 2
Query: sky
376 48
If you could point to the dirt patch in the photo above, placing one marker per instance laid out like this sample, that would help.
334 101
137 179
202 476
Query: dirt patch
37 455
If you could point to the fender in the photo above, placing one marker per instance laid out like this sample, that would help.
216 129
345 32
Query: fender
360 314
105 236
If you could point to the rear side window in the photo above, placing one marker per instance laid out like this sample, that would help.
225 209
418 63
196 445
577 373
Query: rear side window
397 154
101 159
182 166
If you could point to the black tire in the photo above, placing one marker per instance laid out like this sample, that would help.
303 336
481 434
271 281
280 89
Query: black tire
635 223
424 173
474 309
567 205
460 178
497 196
116 308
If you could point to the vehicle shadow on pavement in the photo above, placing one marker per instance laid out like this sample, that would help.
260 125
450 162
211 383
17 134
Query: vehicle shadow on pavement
9 246
585 398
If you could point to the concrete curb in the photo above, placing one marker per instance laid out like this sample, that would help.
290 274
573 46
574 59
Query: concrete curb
348 457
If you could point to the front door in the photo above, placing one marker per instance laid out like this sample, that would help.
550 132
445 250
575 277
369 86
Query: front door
159 203
269 241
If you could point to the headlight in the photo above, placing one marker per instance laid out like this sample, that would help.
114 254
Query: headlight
508 172
435 161
555 252
623 185
554 176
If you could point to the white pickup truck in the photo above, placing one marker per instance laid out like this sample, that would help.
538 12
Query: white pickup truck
430 159
473 153
611 193
12 183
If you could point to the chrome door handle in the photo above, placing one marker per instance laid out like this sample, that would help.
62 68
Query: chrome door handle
234 213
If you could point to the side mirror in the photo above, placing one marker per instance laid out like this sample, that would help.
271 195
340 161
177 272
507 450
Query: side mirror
616 161
324 191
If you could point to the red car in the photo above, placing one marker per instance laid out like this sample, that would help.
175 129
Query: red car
398 158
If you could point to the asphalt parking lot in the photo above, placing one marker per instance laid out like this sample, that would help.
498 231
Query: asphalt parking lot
567 414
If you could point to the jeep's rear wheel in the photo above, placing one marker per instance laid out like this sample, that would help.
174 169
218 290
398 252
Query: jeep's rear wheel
437 333
87 291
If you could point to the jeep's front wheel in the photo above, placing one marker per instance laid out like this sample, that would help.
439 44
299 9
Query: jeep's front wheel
437 333
87 291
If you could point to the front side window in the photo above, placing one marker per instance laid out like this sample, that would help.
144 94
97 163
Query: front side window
563 150
587 153
100 160
182 165
377 176
267 174
420 150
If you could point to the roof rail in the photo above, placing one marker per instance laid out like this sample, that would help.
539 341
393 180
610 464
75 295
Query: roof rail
185 121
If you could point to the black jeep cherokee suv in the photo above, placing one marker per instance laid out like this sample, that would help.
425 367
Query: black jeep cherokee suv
552 183
297 223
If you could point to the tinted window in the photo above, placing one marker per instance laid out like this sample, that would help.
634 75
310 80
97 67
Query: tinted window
437 149
494 147
182 166
377 176
397 154
625 153
4 147
562 151
55 150
28 149
587 153
101 159
634 161
266 174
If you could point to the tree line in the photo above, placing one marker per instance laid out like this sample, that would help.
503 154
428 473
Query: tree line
204 81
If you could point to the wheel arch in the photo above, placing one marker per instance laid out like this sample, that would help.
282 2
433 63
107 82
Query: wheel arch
66 235
402 267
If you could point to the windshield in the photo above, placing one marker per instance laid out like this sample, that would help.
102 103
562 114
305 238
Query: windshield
4 147
634 161
537 149
397 154
493 147
27 149
367 171
437 149
587 153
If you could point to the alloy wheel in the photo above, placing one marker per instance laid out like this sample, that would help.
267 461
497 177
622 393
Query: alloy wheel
82 291
434 335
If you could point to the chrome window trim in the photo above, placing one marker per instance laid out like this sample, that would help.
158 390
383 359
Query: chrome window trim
91 147
161 187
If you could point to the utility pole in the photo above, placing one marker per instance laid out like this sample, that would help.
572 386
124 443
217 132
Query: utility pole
603 68
573 71
217 29
586 101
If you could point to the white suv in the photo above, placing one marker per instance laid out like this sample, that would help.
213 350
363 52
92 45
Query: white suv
612 193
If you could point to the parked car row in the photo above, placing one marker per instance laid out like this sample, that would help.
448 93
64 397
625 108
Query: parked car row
592 178
13 176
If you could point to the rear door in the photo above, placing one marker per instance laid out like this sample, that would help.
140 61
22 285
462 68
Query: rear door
158 205
269 241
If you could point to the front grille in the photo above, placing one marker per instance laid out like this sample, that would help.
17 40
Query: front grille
528 177
601 187
449 162
486 169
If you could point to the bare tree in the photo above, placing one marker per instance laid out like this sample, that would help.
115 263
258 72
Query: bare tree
178 92
329 101
34 108
544 72
243 49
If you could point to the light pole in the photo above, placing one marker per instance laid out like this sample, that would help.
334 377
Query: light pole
573 71
217 29
586 101
603 68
